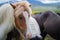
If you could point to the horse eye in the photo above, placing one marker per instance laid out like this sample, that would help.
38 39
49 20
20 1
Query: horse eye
29 5
20 18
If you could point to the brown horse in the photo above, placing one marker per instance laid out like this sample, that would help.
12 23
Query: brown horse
49 23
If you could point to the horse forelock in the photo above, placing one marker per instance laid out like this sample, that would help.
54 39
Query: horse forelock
24 4
18 11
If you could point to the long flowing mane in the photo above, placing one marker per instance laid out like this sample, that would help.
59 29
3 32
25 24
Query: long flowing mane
6 20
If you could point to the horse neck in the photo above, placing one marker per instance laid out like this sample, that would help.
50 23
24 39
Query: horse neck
6 24
48 14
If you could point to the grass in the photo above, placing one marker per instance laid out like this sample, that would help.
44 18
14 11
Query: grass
35 10
58 11
48 38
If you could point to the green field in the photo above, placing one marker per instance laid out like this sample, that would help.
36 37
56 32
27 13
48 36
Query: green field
42 9
48 38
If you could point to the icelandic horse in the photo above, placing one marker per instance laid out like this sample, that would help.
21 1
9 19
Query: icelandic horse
14 15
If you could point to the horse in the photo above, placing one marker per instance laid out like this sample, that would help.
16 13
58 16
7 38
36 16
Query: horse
30 30
12 35
14 15
49 23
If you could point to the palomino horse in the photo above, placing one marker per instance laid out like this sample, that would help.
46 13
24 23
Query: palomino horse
14 15
49 23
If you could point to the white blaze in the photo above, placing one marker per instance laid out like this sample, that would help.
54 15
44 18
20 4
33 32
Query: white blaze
25 14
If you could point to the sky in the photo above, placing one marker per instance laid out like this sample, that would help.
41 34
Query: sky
43 1
8 0
49 1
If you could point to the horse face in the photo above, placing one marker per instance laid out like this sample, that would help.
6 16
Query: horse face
21 21
22 14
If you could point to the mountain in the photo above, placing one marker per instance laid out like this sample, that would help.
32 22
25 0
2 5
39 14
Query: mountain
38 3
34 2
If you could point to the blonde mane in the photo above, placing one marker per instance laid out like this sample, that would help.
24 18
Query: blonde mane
26 6
6 20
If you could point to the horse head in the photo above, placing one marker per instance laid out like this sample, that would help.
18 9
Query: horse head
22 12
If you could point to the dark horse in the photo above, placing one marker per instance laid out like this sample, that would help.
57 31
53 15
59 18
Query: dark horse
49 23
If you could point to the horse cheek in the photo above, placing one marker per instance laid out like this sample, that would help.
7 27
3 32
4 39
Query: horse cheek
24 26
17 23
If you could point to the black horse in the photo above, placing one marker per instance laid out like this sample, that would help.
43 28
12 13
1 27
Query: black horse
49 23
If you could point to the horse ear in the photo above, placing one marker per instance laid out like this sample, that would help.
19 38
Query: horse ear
13 5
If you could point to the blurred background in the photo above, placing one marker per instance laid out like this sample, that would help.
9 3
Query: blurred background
42 5
39 6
